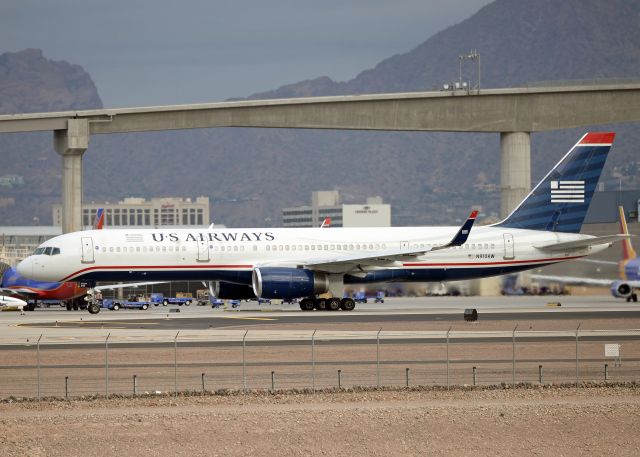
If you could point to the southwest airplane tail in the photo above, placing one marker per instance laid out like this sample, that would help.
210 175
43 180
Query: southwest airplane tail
560 201
307 263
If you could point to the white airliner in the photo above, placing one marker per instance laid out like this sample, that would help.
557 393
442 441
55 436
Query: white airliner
307 262
8 303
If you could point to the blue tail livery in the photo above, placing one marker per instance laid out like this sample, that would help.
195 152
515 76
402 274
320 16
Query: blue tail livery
560 201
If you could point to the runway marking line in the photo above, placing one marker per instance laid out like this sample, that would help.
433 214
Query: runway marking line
250 318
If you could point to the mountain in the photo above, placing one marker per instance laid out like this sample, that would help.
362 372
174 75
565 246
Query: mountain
250 174
29 82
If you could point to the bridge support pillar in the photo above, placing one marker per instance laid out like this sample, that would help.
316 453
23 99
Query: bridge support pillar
515 169
71 145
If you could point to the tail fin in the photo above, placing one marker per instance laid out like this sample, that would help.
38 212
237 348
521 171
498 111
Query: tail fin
98 222
560 201
628 252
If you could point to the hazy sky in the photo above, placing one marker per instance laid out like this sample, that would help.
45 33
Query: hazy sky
155 52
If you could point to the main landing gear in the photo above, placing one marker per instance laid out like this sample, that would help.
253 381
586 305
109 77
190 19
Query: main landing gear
327 304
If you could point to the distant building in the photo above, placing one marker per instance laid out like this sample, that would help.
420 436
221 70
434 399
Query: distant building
138 212
326 203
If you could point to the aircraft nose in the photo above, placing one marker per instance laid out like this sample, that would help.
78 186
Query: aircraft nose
25 268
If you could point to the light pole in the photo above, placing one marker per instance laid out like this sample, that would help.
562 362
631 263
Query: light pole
472 55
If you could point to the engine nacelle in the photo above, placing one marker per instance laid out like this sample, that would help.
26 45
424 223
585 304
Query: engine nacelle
621 289
278 282
229 291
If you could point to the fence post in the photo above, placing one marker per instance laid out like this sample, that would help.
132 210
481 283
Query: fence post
378 358
313 361
406 377
448 331
540 374
513 362
273 381
106 366
244 364
66 387
135 385
606 372
474 376
38 370
339 379
175 364
203 381
577 356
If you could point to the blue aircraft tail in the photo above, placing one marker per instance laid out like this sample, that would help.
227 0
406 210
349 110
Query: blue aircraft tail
560 201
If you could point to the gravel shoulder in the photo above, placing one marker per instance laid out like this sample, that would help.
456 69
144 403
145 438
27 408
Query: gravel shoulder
538 421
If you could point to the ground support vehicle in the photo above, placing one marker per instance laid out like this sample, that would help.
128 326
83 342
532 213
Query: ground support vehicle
202 297
47 303
115 304
180 299
380 297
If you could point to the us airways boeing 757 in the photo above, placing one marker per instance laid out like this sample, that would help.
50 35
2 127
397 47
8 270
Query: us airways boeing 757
307 262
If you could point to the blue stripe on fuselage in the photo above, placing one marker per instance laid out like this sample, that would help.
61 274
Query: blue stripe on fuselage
244 276
11 278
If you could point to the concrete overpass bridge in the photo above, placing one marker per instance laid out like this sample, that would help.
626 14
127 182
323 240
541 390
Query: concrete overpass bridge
513 113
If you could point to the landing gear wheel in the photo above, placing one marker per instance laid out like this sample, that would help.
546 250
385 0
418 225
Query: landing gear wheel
347 304
30 307
93 308
333 304
306 304
320 304
68 306
634 297
75 307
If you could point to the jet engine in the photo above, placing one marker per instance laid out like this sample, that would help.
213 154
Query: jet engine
279 282
229 291
621 289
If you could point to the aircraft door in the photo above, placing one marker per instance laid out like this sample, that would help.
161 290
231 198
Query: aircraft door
404 245
203 251
509 251
87 250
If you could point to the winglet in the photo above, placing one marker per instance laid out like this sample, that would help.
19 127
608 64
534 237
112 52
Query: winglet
461 237
326 223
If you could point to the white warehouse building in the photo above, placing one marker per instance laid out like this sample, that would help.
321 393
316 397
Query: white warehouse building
326 204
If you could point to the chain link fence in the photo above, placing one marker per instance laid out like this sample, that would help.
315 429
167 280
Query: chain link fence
250 360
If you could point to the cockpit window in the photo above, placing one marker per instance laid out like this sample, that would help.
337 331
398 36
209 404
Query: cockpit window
46 251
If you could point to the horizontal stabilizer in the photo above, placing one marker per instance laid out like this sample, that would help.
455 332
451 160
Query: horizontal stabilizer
581 244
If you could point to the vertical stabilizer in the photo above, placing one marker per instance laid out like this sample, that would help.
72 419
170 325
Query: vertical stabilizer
628 252
560 201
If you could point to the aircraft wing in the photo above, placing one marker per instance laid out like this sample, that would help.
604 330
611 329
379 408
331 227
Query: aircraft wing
347 262
576 281
19 291
129 284
580 244
599 262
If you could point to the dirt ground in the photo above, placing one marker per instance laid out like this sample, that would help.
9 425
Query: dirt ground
538 421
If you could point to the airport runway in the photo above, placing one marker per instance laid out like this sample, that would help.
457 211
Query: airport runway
311 319
425 313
